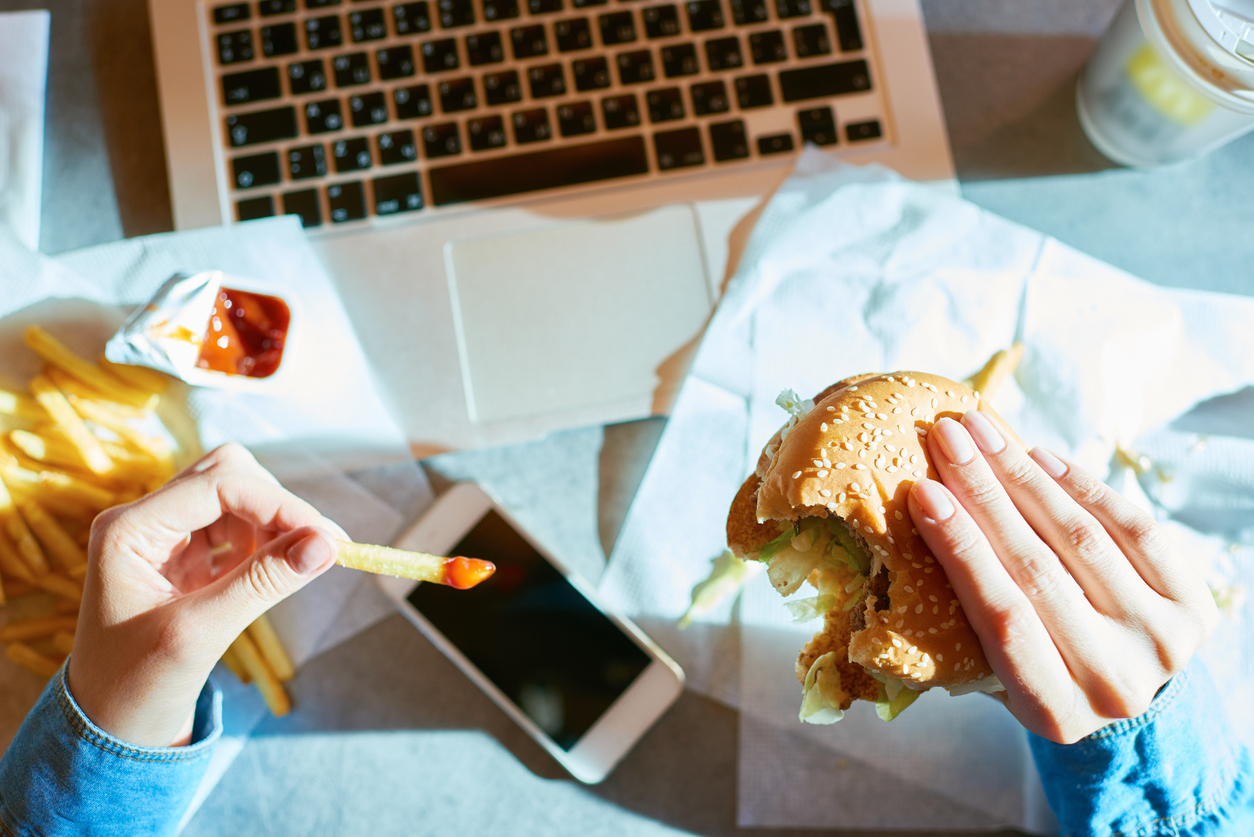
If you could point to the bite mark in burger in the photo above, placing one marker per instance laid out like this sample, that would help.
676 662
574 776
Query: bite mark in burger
827 505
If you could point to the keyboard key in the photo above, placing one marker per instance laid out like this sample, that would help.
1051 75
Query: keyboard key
529 41
502 88
723 54
367 25
767 47
576 118
321 117
679 60
438 56
591 73
351 70
396 147
754 92
306 161
441 140
395 62
704 15
231 14
678 149
351 154
660 21
270 8
484 48
251 209
546 80
455 13
306 77
279 39
347 202
321 4
665 105
818 125
261 126
251 86
412 102
257 170
620 112
748 12
635 67
323 32
617 28
812 40
709 97
531 125
775 144
398 193
824 80
566 165
367 109
457 94
859 131
792 8
728 141
305 204
500 9
845 16
411 18
573 34
486 133
234 47
579 4
544 7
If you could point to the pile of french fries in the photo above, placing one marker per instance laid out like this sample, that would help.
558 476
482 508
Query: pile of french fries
84 437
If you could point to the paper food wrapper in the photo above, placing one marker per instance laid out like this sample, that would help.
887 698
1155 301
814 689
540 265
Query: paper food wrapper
853 270
23 82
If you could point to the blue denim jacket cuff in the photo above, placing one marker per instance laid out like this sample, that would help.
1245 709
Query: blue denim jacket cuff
64 775
1174 770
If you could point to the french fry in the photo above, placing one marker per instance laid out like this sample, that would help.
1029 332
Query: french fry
65 607
37 628
17 589
63 641
11 564
3 599
262 633
135 441
231 660
73 386
140 377
271 689
58 354
77 573
88 446
461 573
65 486
21 406
1002 363
17 530
56 542
73 513
30 659
59 585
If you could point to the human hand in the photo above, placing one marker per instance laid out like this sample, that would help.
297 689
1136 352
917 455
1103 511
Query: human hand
174 577
1082 610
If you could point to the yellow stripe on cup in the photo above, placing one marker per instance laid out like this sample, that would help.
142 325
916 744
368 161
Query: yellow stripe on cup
1169 94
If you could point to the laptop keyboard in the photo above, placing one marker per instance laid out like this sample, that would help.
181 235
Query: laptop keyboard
340 112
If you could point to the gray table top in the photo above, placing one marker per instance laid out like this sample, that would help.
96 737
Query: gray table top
389 737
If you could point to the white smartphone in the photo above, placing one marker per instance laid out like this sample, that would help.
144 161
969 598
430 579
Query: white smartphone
581 680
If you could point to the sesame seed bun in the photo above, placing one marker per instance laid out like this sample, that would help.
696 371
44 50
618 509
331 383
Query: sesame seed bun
854 457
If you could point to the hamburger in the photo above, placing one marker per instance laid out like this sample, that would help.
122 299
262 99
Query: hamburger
827 507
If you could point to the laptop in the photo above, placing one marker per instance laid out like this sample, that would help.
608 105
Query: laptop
529 206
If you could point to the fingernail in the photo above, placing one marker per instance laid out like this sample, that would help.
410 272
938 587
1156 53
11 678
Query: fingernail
1049 463
310 553
933 500
985 433
954 441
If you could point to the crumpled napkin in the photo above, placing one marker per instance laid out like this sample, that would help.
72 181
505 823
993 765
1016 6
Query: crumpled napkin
852 270
23 81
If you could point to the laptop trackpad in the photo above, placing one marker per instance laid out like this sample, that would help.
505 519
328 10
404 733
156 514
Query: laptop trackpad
575 315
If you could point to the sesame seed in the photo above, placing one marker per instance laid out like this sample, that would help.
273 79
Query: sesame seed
932 631
825 492
914 459
890 539
956 666
900 623
909 382
950 393
940 658
905 669
841 497
831 507
912 649
934 402
830 408
876 641
822 473
896 411
839 465
818 463
901 609
890 378
881 416
862 454
853 388
796 474
928 570
866 529
909 589
853 486
896 643
963 400
915 412
958 646
898 515
823 427
859 467
838 421
907 633
827 463
847 445
936 610
868 426
976 395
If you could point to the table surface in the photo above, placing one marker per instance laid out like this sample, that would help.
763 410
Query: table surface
388 736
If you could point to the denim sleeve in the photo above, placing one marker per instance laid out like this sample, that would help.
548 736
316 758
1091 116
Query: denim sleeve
1176 771
64 775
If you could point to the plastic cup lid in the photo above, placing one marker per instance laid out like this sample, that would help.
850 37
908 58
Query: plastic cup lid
1230 23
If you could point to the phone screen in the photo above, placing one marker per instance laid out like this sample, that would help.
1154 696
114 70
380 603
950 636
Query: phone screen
551 651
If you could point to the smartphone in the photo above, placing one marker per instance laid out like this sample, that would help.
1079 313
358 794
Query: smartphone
582 680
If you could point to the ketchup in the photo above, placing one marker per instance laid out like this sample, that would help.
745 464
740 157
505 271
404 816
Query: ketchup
464 573
245 335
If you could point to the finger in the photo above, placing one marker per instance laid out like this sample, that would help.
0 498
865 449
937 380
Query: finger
1093 558
1015 641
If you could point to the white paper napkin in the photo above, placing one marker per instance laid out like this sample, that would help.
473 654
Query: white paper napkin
23 79
852 270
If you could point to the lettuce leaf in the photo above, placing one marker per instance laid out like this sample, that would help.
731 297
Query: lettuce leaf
895 696
822 695
987 684
727 576
805 610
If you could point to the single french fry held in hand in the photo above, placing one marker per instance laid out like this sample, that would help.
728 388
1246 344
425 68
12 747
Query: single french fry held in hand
267 641
30 659
89 447
462 573
58 354
57 543
989 379
271 689
37 628
140 377
63 641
